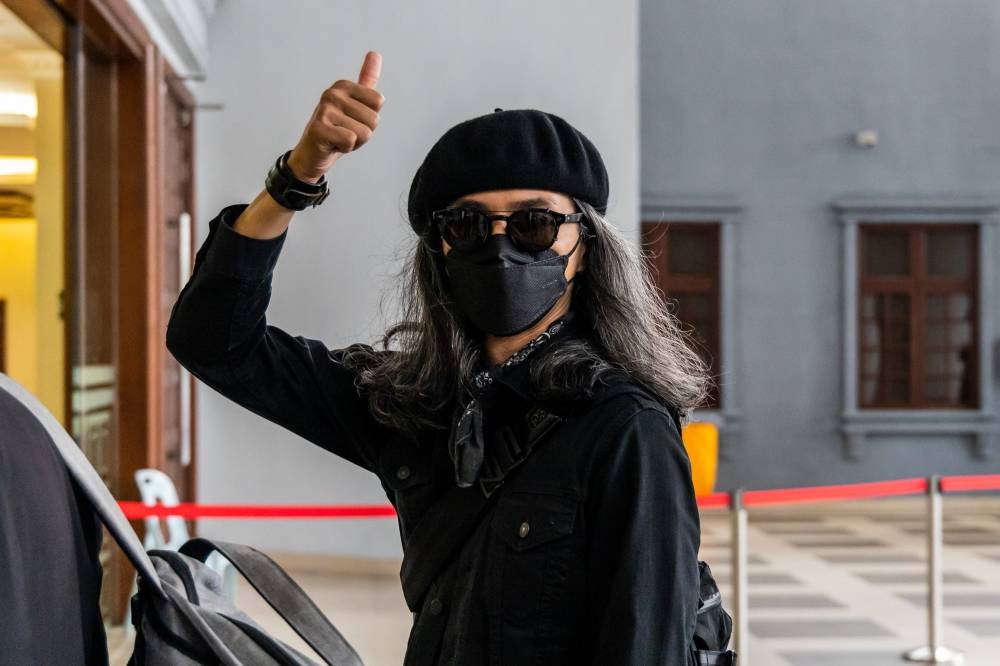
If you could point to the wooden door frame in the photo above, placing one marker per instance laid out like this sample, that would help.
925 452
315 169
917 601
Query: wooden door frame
175 87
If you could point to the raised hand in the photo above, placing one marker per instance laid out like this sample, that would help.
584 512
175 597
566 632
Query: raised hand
343 121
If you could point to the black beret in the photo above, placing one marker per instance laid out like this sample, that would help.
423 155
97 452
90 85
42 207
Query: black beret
519 148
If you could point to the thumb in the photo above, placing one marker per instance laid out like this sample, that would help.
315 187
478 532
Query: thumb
370 70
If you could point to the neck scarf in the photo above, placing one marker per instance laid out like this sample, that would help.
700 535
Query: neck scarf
466 443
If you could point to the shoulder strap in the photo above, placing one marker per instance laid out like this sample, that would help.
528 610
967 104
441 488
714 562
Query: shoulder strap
90 482
283 595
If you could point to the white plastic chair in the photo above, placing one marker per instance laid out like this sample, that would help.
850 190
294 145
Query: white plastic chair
155 487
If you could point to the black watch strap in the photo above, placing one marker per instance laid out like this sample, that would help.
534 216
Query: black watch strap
291 192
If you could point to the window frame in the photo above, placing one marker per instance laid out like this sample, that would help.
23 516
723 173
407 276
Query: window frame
918 285
706 284
726 213
859 424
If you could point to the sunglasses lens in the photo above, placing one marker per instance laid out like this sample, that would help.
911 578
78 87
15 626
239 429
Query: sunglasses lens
462 228
532 230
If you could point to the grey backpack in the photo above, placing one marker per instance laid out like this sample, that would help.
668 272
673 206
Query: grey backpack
193 623
180 615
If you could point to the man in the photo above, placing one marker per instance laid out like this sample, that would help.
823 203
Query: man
523 418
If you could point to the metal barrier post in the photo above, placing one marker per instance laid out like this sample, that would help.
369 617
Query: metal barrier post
934 652
738 542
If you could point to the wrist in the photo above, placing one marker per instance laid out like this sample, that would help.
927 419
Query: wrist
300 172
290 191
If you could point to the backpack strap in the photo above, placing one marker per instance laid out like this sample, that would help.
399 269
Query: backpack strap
283 595
90 482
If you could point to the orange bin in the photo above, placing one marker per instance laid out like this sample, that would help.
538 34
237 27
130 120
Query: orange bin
701 440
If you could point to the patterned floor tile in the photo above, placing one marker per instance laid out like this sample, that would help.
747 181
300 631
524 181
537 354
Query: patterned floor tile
758 578
871 558
817 629
842 658
984 628
907 577
721 558
805 601
957 599
804 529
838 543
715 543
781 518
972 539
954 530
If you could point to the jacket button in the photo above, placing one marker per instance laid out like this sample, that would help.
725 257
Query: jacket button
403 473
524 529
435 607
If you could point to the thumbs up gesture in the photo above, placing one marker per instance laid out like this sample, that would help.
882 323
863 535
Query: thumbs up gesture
344 120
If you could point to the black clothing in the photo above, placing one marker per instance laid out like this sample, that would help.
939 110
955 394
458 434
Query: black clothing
587 553
50 542
467 441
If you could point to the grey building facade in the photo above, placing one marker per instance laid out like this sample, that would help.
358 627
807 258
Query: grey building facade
845 158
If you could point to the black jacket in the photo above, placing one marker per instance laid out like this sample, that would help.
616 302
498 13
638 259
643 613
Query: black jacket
587 554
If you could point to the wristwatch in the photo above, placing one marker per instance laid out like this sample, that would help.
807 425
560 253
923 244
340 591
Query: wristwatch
291 192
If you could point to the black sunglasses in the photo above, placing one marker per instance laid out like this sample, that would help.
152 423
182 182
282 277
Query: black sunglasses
530 229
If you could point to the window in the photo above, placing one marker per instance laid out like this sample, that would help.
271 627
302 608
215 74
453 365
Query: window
683 258
917 316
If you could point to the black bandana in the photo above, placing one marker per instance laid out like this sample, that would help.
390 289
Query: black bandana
466 445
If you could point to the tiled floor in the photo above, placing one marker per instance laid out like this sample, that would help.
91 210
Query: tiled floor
858 594
830 585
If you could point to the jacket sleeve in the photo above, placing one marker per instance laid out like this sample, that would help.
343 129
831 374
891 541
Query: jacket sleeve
643 553
218 331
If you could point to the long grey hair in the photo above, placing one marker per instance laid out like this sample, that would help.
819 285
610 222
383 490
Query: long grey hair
428 360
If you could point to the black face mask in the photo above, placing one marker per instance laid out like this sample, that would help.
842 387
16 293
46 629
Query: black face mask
504 290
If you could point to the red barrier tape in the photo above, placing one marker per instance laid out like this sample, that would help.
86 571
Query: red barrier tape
136 510
957 484
751 498
714 501
851 491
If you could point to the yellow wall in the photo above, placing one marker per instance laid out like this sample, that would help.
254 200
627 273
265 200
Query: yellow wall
17 287
49 270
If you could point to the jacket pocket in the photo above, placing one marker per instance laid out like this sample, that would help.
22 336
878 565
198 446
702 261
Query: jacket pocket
400 467
527 520
407 480
534 547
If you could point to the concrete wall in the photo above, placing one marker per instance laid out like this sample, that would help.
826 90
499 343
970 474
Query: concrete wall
757 103
443 62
